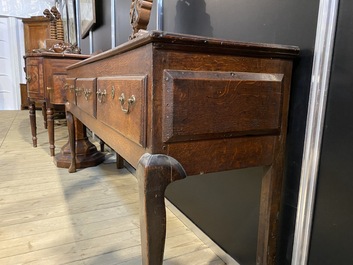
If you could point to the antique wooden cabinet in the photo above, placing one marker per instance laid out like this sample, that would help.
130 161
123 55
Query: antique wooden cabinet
36 31
176 105
46 75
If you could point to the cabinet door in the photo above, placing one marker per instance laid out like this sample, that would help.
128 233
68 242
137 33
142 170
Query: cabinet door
35 78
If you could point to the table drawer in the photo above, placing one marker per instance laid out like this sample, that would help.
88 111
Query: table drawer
35 78
122 105
86 98
207 105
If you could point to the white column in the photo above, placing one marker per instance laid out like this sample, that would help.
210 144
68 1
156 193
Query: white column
325 33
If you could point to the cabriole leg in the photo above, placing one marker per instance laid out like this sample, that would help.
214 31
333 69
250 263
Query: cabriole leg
154 174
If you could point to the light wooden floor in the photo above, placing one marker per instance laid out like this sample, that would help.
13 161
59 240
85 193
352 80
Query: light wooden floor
48 216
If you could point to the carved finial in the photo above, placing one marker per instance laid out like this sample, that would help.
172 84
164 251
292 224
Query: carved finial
48 14
140 12
55 12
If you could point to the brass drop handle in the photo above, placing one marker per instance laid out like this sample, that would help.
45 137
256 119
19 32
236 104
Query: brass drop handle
50 89
130 102
29 78
87 93
101 94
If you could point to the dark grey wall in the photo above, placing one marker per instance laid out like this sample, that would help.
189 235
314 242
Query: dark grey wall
102 31
123 28
226 205
332 234
102 37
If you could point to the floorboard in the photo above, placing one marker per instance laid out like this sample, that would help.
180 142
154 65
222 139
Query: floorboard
49 216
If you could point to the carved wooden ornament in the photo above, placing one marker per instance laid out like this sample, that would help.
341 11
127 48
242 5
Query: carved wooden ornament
140 12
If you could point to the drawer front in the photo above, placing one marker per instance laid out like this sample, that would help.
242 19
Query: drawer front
122 105
35 78
57 93
85 91
69 88
209 105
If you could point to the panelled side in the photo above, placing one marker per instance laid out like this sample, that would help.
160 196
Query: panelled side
225 104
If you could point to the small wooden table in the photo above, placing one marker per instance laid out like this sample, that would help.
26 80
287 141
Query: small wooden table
176 105
46 75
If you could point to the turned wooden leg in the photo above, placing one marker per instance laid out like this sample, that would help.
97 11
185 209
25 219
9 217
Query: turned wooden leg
44 113
50 123
71 129
32 120
154 174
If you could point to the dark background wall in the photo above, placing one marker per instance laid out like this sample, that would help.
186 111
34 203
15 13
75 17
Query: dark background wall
225 205
101 31
332 234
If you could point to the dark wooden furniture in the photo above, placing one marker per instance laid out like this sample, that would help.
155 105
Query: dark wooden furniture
24 101
24 98
176 105
45 75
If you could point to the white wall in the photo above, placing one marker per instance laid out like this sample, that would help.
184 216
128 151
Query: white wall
12 47
11 62
24 8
